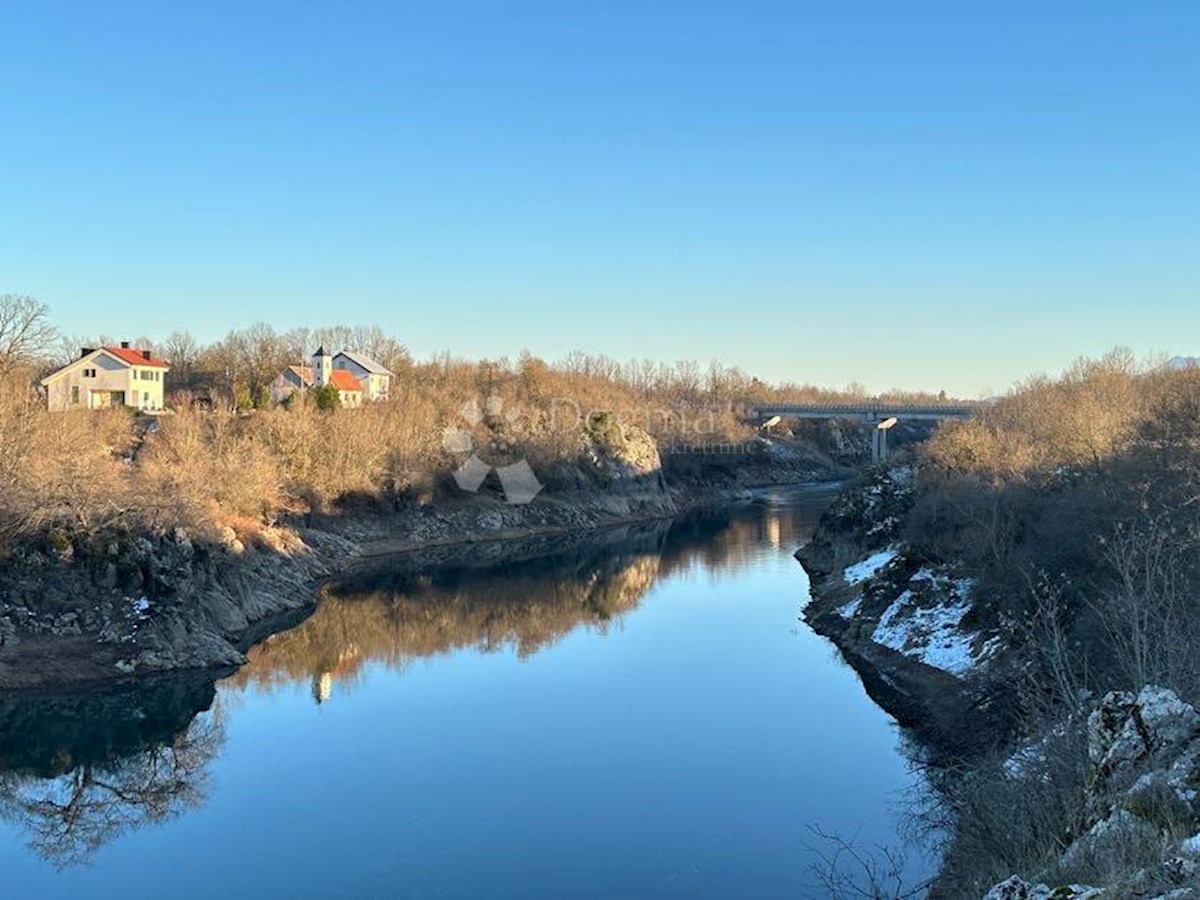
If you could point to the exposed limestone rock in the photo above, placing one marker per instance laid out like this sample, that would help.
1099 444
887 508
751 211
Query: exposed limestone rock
638 457
1122 835
904 622
1015 888
1126 729
910 626
1144 751
621 453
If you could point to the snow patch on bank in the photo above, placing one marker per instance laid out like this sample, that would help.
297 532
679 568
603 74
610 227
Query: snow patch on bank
861 571
850 610
932 634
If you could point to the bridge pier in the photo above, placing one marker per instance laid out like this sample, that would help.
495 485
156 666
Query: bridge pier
868 411
879 440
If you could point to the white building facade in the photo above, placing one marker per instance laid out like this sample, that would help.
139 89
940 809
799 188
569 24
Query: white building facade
375 378
106 377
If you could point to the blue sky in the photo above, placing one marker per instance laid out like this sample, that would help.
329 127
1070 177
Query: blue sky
926 195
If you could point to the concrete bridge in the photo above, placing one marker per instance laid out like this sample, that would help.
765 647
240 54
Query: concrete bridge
883 415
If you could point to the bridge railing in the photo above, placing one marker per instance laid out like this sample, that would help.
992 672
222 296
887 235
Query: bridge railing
869 409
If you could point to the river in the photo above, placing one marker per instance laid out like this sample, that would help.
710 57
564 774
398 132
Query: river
638 713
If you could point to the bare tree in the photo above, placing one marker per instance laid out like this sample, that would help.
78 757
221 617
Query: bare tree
69 818
25 330
847 872
380 346
332 337
182 352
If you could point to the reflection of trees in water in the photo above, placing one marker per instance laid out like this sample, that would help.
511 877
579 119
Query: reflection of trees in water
76 772
723 541
415 616
83 771
406 609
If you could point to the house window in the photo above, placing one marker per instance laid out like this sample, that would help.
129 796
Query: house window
89 373
145 399
74 395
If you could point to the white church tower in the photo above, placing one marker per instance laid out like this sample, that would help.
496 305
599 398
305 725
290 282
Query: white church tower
322 366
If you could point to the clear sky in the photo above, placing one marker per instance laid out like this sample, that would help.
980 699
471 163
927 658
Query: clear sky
926 195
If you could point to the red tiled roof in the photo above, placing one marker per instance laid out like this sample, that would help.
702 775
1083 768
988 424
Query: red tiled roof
137 357
340 378
344 381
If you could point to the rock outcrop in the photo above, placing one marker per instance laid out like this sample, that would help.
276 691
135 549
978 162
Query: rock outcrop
1141 834
151 604
1018 889
909 626
1114 782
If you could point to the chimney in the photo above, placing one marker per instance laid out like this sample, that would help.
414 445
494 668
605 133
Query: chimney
145 354
124 345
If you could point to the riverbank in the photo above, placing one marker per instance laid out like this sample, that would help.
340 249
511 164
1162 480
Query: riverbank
907 624
147 604
1090 790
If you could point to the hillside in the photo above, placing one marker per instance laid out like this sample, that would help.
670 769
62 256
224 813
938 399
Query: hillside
1021 593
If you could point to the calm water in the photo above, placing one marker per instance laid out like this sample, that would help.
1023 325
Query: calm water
641 715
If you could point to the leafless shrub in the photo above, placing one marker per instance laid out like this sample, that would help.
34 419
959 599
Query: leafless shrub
845 871
25 331
1013 812
1149 611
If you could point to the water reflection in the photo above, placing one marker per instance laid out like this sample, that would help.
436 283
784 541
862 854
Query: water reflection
399 611
525 596
77 772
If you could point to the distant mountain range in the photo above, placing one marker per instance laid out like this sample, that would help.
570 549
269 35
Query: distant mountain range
1183 362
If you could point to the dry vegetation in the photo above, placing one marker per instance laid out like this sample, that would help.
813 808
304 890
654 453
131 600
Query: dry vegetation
88 471
1075 502
226 455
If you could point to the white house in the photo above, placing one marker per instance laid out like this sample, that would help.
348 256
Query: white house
376 379
104 377
321 372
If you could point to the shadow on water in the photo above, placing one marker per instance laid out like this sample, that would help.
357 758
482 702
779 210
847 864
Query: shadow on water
78 771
